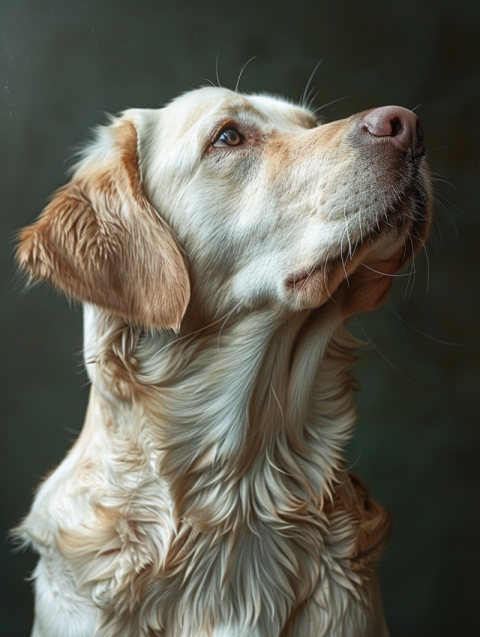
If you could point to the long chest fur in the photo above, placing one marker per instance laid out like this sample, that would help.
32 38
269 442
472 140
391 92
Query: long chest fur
208 495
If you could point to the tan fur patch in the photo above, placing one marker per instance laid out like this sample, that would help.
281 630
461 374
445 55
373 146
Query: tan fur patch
370 523
100 241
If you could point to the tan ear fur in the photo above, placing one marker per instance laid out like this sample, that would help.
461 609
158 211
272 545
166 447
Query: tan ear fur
100 241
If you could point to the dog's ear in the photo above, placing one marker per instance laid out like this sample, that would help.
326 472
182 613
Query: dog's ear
100 241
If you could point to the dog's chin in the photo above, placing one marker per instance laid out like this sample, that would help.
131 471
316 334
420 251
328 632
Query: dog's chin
344 282
360 280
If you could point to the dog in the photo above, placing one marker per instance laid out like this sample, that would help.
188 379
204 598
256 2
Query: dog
218 246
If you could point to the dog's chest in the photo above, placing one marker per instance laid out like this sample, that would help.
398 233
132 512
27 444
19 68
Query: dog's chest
264 572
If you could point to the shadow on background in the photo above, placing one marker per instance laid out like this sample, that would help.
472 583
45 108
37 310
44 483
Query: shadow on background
63 64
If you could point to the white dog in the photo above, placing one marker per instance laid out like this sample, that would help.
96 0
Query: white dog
218 245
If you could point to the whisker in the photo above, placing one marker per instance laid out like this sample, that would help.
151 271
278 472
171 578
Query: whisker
437 194
325 278
370 342
341 258
312 270
311 100
441 178
426 256
385 273
216 69
445 230
442 205
320 108
346 228
303 96
302 222
414 270
415 329
224 323
242 70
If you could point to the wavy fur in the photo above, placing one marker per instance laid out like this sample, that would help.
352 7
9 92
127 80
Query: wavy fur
207 494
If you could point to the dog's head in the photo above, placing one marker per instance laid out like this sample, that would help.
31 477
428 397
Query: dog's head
235 201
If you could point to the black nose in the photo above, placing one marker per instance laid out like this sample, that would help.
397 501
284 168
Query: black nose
398 125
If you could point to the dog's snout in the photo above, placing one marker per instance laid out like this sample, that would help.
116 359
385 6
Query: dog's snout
398 125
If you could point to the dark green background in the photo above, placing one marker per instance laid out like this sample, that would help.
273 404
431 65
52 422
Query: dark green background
63 64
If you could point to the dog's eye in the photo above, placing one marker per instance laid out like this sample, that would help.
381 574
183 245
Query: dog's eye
228 137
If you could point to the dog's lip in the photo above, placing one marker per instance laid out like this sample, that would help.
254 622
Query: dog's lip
300 277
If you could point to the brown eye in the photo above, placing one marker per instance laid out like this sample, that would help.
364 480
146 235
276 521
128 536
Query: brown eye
228 137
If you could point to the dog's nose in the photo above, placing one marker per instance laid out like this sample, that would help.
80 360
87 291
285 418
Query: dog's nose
398 125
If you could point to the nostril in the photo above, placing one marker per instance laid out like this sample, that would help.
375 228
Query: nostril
396 127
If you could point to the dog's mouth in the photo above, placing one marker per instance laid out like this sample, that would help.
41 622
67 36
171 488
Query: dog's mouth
298 280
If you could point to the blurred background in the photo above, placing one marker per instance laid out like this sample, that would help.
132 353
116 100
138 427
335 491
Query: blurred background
64 64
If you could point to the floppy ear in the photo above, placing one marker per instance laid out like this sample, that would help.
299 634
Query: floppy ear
100 241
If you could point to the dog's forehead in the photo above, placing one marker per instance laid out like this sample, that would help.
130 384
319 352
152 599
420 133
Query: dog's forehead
209 104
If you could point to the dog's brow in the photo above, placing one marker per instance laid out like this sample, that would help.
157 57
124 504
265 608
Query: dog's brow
241 108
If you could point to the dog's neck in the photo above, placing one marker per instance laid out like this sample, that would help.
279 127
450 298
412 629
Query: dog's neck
243 424
233 403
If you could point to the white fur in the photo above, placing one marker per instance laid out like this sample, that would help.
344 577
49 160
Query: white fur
198 498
